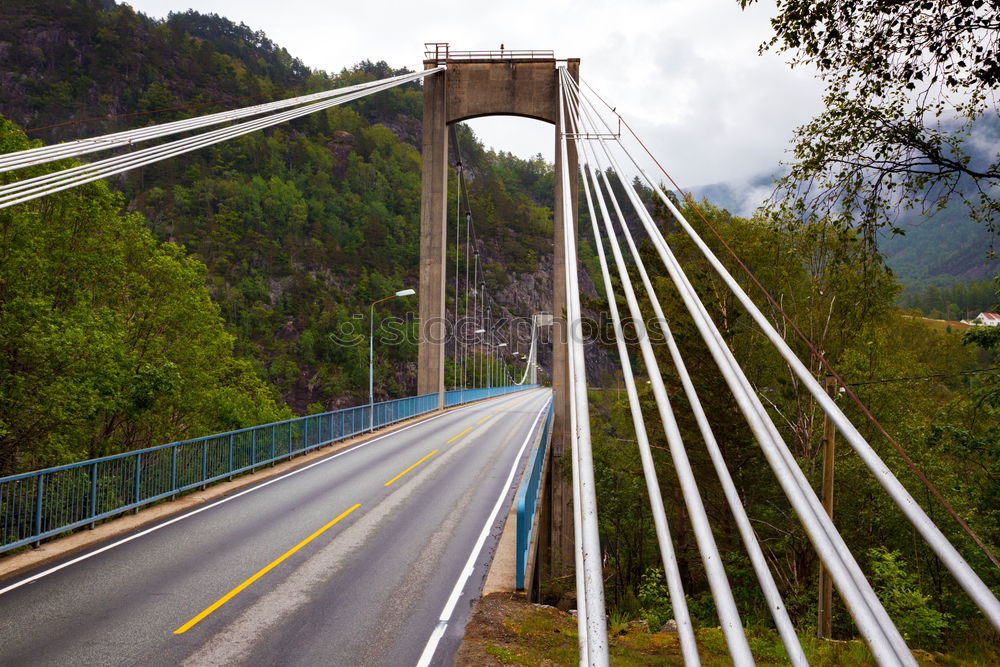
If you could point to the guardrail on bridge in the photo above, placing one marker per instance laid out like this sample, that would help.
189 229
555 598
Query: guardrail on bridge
527 502
44 503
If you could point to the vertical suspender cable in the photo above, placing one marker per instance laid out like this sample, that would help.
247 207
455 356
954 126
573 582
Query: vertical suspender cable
475 315
465 343
458 253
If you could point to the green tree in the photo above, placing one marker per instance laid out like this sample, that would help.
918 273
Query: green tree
907 84
109 340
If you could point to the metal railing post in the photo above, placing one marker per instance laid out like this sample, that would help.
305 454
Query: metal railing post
93 493
138 480
39 492
173 472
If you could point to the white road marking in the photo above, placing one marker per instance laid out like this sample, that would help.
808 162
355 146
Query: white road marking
470 564
91 554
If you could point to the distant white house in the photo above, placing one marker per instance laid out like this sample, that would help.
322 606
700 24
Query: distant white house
984 320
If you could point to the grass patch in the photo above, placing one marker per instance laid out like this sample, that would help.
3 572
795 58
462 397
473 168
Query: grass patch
507 630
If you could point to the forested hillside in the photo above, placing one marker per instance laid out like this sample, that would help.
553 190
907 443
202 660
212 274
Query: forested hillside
299 228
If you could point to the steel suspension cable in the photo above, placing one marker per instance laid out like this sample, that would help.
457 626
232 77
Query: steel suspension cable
739 647
43 154
593 580
872 621
819 356
960 569
671 569
32 188
769 587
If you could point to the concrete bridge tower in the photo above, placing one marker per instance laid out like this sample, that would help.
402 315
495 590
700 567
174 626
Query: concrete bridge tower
491 83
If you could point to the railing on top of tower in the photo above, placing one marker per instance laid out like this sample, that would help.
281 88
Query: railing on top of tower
441 53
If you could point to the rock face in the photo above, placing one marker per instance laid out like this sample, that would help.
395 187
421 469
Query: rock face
531 292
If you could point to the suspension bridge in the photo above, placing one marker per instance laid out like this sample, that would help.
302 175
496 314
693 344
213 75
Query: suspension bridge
372 554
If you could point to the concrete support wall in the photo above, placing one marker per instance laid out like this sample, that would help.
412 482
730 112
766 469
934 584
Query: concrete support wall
433 219
560 559
469 89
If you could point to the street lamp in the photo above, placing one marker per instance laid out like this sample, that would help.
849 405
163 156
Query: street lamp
479 365
371 354
499 361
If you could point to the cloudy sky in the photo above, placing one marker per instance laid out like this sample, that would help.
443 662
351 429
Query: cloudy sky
684 72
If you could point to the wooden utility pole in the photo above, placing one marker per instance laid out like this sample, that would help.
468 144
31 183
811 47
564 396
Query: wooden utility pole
824 622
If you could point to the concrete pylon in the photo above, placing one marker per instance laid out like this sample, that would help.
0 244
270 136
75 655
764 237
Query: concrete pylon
489 84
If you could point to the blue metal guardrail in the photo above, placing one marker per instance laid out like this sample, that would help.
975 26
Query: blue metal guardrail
459 396
527 501
40 504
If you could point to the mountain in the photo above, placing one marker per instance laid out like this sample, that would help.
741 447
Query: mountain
940 250
301 226
932 250
738 197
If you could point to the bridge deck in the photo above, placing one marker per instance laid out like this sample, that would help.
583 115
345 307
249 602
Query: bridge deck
368 589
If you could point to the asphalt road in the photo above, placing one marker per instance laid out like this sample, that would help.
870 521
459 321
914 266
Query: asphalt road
351 560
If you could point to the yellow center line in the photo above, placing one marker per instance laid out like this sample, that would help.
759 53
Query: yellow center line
459 435
492 414
270 566
410 468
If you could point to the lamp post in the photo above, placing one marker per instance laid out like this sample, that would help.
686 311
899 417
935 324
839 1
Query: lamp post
371 354
479 366
496 367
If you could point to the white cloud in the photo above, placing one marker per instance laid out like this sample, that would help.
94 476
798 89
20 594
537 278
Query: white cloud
686 73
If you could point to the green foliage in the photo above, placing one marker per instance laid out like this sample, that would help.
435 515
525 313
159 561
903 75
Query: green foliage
109 340
655 598
908 607
907 87
294 230
842 297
